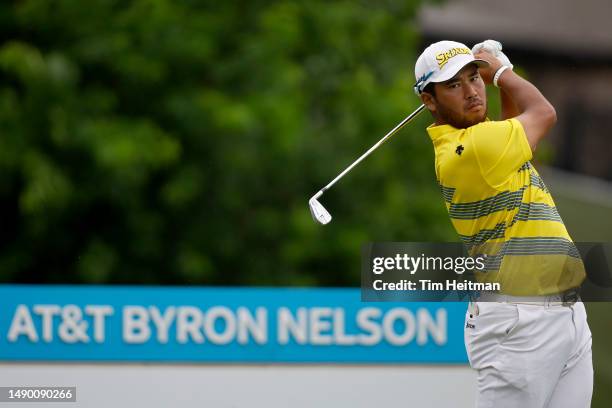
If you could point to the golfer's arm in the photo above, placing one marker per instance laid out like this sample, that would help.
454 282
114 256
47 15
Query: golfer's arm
535 113
508 108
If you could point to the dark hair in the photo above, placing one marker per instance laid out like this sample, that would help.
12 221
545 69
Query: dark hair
430 88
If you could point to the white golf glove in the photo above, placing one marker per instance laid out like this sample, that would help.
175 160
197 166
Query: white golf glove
494 48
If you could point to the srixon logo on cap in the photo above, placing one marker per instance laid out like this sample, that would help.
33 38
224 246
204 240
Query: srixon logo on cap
443 57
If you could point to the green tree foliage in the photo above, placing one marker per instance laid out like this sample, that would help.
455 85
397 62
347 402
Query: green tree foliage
159 141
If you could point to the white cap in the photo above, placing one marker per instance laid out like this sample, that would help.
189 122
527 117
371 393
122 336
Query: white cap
441 61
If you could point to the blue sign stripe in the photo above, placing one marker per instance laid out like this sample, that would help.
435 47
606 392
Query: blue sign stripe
221 324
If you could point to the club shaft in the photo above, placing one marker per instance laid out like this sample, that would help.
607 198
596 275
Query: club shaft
371 149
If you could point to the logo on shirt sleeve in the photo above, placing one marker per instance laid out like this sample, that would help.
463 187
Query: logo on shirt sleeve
459 150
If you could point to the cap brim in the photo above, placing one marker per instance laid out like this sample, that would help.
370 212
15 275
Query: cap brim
449 73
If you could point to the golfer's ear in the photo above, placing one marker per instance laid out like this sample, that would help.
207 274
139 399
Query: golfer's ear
428 101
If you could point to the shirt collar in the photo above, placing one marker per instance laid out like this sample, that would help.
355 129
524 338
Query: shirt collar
435 131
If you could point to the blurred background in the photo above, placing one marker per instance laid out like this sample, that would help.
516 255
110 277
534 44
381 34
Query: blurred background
177 143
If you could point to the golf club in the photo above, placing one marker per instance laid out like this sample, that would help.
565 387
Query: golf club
319 213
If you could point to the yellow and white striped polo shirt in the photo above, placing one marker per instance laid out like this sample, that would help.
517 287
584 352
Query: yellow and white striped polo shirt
499 206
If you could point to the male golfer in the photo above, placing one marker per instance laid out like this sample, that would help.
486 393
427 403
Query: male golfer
530 343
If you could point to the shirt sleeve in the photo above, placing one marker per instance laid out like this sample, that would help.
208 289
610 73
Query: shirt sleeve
501 148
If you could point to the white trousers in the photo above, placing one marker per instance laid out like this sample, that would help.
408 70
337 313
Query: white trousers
530 356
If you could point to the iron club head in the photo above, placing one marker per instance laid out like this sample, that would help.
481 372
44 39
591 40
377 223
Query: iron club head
319 213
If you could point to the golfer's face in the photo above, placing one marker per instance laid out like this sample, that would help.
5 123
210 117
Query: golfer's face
461 101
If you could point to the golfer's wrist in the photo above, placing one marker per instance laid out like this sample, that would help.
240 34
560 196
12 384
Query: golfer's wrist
498 74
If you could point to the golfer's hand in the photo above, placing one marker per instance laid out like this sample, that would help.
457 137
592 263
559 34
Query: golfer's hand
488 72
495 48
